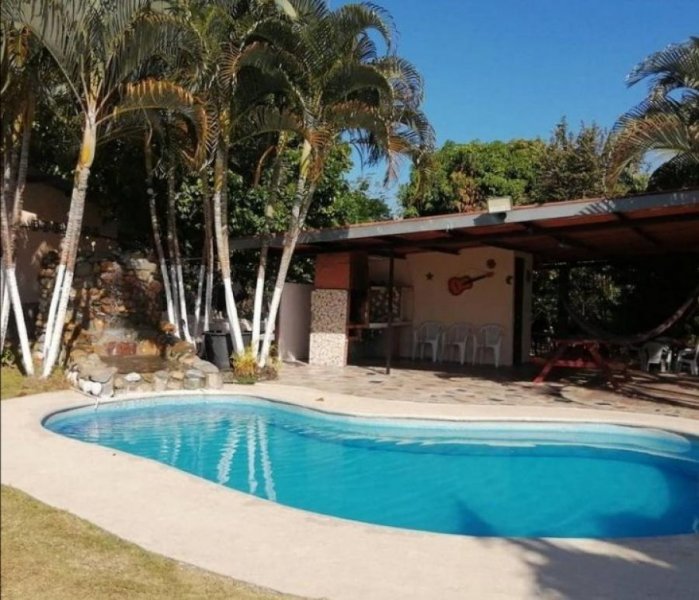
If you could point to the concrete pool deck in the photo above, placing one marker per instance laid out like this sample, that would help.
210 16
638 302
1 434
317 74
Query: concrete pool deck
196 521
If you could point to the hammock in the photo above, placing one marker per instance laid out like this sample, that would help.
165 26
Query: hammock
688 307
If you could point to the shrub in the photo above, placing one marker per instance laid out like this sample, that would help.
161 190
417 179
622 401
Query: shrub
245 369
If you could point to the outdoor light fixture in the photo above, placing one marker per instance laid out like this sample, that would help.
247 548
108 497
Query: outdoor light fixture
499 205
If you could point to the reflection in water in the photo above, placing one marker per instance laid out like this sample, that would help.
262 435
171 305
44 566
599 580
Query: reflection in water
252 447
223 468
255 438
266 461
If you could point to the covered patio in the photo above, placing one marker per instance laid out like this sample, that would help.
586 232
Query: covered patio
345 316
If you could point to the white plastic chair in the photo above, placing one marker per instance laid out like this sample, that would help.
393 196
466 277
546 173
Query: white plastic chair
489 338
689 357
429 334
655 353
456 337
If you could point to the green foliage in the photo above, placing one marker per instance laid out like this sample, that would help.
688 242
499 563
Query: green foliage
666 120
674 175
622 297
9 357
465 175
573 166
569 166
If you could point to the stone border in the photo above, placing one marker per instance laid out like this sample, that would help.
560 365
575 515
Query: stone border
196 521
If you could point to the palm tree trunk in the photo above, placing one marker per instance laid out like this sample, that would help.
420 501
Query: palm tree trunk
157 238
259 292
177 257
304 198
13 291
4 307
208 294
264 250
71 242
14 178
200 293
299 211
22 168
220 210
174 289
209 249
4 192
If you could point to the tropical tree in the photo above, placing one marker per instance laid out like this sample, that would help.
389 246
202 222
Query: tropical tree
573 165
21 62
242 82
667 121
342 87
463 176
99 46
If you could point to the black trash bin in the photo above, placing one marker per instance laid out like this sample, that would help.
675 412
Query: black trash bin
218 347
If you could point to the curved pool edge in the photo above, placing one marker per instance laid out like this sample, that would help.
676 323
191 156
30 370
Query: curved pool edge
314 555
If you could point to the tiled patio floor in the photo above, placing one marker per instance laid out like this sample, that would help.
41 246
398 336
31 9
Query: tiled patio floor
416 382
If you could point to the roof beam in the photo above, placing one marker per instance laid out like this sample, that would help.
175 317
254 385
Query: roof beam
563 240
637 230
399 242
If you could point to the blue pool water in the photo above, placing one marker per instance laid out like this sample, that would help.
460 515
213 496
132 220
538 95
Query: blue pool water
482 479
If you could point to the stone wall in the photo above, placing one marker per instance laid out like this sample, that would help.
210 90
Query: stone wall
328 340
115 303
114 341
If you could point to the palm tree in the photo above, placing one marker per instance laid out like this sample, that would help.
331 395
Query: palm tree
21 63
231 45
344 88
667 121
99 46
155 225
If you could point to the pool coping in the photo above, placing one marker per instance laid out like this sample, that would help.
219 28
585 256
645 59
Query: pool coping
312 555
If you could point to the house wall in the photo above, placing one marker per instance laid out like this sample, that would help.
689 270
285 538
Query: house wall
426 275
50 205
490 300
295 321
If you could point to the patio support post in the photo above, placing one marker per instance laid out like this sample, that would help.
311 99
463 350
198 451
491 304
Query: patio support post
562 326
389 328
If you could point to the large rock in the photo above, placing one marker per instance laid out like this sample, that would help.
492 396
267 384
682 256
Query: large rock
205 366
102 375
214 381
160 379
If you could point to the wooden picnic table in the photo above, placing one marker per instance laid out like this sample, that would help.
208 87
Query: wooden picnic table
589 347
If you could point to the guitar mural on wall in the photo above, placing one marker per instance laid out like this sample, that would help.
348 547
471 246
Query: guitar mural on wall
458 285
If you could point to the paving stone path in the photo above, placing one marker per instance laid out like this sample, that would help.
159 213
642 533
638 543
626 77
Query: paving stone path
489 386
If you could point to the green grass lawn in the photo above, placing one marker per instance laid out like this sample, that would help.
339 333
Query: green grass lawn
13 383
53 555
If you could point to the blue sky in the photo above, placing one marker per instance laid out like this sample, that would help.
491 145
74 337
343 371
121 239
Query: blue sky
504 69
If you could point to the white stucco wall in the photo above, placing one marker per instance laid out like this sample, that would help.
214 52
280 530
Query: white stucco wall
490 300
295 321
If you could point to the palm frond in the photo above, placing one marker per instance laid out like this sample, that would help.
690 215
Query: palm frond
349 78
352 20
158 94
667 131
676 66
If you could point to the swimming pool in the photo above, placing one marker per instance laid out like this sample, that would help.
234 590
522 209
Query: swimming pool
472 478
